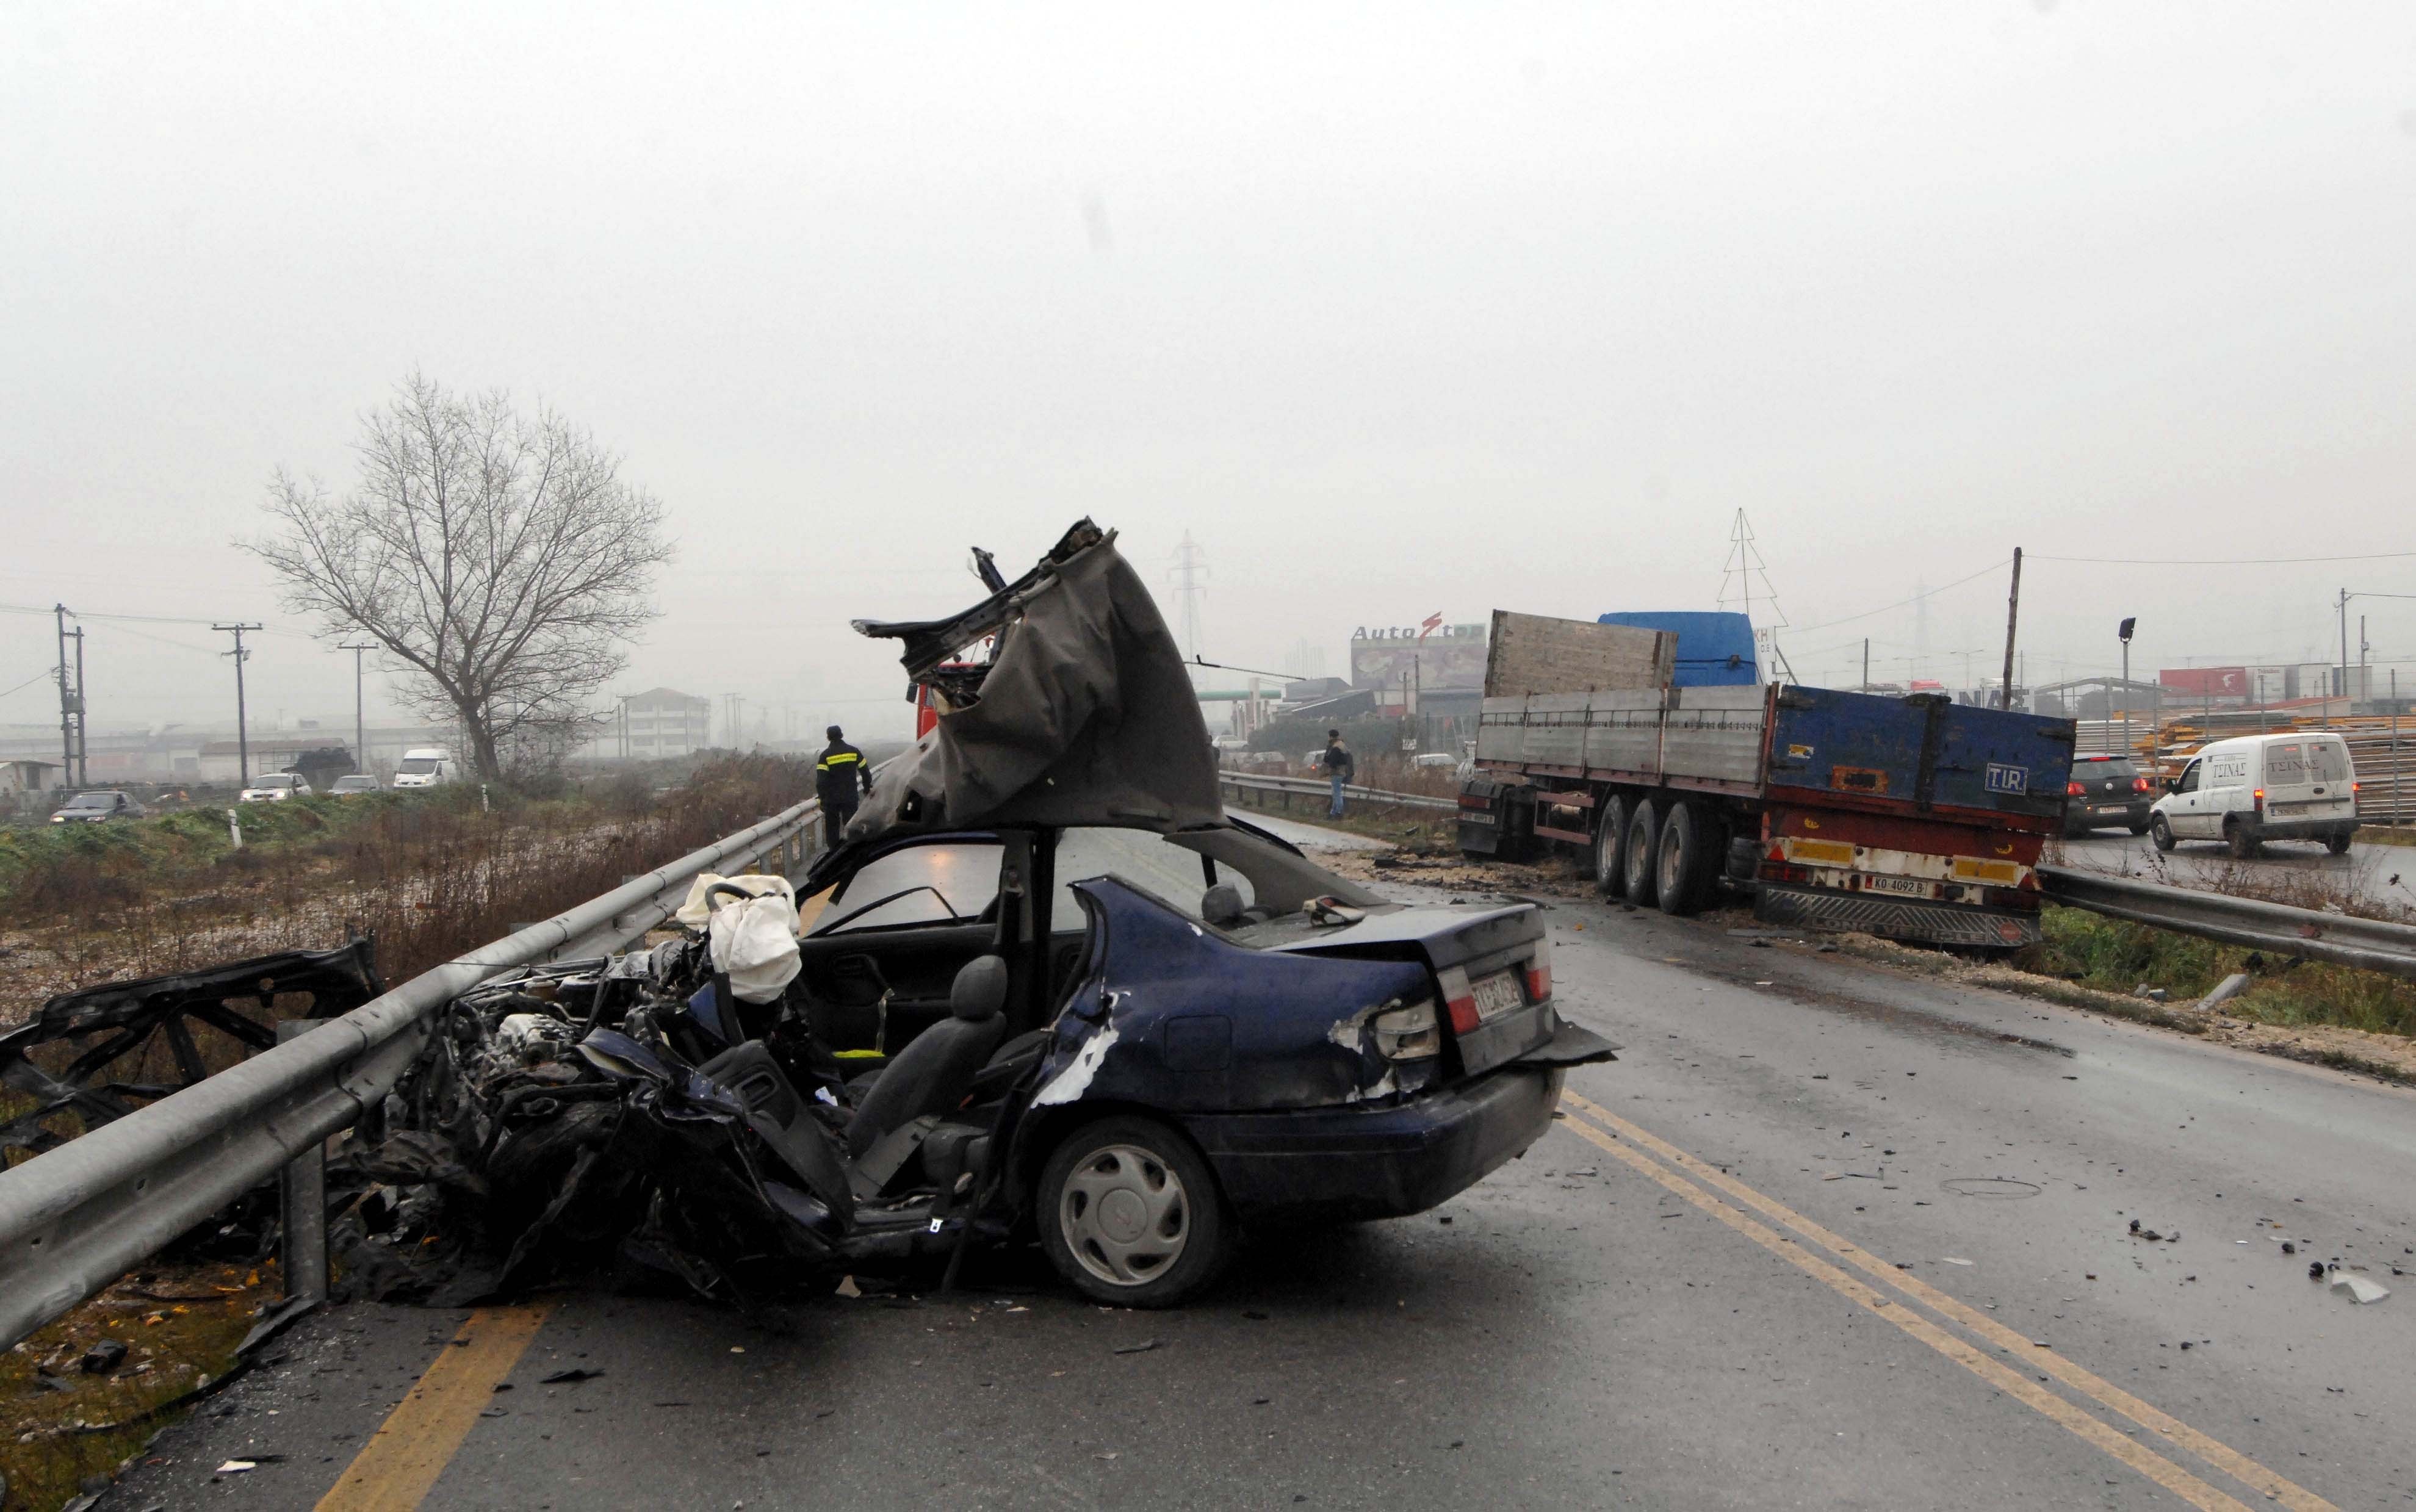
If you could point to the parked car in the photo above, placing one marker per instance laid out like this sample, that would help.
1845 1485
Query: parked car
427 766
2105 791
276 787
2256 788
97 806
356 782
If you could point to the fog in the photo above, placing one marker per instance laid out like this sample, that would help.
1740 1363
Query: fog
1395 310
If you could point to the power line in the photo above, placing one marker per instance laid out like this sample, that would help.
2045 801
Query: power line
43 676
2219 561
1930 593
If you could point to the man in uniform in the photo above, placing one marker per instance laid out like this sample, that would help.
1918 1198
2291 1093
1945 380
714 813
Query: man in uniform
841 778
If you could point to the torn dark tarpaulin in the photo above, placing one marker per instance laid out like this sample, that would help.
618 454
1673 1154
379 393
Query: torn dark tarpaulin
113 1048
1084 716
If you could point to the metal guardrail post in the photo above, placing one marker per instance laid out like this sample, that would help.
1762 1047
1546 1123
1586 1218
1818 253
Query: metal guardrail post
302 1204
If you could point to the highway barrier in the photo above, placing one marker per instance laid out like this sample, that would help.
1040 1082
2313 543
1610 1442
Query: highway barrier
2342 939
1262 791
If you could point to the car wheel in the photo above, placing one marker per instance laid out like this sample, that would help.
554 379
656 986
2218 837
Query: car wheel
2138 826
1610 858
2243 844
1643 849
1130 1215
2159 832
2337 842
1682 871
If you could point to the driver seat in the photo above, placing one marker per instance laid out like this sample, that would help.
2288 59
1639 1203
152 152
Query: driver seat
931 1075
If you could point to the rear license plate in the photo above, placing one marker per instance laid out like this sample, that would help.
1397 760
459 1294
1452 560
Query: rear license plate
1906 886
1497 994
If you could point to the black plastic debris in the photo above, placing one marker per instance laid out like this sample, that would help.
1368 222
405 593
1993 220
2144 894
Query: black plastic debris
103 1357
564 1377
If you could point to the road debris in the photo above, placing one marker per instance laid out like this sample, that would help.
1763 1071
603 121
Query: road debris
2360 1290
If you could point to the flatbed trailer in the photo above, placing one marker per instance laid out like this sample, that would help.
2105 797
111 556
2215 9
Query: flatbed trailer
1915 818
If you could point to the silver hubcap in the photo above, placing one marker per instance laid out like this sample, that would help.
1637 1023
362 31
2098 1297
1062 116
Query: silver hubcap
1605 855
1125 1215
1669 867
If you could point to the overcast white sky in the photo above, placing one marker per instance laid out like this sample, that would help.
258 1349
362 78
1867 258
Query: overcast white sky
1396 309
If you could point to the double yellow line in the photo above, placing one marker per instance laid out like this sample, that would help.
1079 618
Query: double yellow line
1733 1202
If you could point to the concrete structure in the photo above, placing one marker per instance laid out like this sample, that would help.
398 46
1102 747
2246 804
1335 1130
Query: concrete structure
25 775
663 722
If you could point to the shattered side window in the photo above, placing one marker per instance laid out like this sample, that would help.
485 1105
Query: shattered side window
1169 873
943 883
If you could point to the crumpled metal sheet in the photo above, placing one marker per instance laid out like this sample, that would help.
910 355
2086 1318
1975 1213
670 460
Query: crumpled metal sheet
111 1029
1084 716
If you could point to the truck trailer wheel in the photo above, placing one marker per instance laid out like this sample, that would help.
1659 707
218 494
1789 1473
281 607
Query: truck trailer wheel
1688 851
1643 846
1609 848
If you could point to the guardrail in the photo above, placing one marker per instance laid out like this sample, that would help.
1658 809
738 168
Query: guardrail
1288 786
2340 938
74 1220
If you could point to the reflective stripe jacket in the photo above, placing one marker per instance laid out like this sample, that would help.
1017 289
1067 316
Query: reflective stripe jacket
837 776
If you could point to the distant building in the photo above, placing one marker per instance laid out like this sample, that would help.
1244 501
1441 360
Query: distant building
25 775
662 722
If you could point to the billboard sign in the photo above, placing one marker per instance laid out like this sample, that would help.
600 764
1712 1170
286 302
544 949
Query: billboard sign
1444 656
2204 682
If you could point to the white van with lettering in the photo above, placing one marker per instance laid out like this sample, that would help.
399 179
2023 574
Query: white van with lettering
2257 787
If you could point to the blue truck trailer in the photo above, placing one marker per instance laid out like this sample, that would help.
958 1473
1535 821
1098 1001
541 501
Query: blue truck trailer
1916 818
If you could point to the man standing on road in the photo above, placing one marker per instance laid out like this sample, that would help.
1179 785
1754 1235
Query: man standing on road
841 778
1338 767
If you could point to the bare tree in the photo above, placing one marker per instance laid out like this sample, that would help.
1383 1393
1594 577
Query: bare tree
498 558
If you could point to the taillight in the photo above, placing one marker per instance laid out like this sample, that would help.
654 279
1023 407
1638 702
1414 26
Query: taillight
2140 784
1539 979
2072 790
2357 787
1408 1034
2259 796
1458 1000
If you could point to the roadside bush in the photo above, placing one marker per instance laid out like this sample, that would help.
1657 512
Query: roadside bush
2118 955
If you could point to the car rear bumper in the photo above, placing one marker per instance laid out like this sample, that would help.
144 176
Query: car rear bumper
2106 815
2305 830
1374 1162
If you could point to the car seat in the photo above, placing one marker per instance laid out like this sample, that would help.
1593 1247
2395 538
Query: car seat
933 1074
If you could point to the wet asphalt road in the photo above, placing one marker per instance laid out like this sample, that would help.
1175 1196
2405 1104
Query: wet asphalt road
1572 1332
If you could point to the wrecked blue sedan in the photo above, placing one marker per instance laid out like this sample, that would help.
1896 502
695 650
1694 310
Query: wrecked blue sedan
1194 1032
1043 990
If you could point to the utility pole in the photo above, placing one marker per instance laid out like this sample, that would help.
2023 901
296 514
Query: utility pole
2013 615
69 704
2124 632
360 725
1190 577
1867 663
2344 632
242 726
83 716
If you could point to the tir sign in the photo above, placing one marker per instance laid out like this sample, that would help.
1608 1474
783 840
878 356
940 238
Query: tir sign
2014 781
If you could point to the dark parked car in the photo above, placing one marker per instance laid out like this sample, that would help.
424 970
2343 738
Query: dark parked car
2106 791
97 806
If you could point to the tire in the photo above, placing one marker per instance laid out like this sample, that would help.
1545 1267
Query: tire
1130 1214
1643 845
2337 842
1683 866
1610 847
2244 843
2160 832
2138 826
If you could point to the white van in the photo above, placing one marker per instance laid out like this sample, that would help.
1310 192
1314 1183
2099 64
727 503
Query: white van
2256 788
426 767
